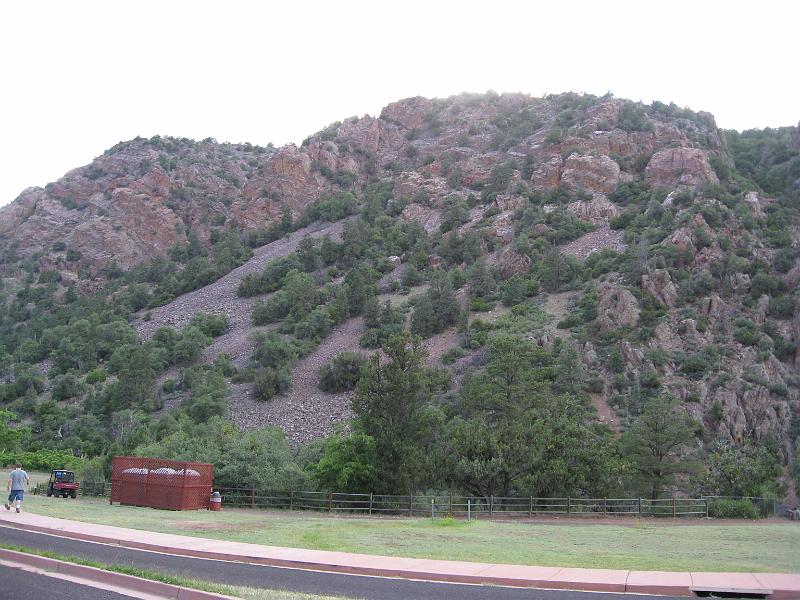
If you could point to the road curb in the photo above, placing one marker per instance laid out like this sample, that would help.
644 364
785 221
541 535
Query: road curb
119 580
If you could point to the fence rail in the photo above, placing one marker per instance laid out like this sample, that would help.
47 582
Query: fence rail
472 507
475 507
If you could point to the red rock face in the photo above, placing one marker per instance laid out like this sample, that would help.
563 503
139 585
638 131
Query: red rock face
143 196
409 113
591 173
680 167
139 228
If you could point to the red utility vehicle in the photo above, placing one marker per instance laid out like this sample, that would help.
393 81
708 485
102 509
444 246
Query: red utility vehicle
62 483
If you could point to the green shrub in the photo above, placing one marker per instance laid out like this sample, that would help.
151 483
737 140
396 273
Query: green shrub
210 325
316 326
95 376
73 255
271 381
65 387
480 305
41 460
746 333
781 307
732 509
452 355
275 308
342 373
695 365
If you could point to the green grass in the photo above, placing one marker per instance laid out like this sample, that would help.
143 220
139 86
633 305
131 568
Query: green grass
647 544
248 593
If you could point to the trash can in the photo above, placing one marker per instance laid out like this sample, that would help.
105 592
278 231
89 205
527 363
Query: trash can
216 502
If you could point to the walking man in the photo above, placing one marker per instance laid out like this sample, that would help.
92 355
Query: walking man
17 480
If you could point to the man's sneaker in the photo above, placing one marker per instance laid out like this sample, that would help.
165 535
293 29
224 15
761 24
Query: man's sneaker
17 509
7 506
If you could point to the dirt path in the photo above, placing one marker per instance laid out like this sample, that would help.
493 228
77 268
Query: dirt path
305 413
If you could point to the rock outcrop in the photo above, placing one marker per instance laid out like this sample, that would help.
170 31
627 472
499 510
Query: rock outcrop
680 167
659 285
591 173
617 307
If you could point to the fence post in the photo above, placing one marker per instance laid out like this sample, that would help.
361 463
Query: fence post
706 501
450 505
370 503
569 505
605 506
530 508
253 496
411 505
639 500
432 509
673 506
491 505
291 499
469 510
330 501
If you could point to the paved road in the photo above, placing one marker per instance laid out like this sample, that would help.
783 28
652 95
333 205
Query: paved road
20 585
296 580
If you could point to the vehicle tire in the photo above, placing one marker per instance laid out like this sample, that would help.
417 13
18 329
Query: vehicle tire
73 494
49 491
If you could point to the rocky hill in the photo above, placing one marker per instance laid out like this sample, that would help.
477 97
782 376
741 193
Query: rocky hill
664 250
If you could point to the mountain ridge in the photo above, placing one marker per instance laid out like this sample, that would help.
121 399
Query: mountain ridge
675 243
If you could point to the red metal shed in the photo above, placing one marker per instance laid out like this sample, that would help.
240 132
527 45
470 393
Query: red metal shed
159 483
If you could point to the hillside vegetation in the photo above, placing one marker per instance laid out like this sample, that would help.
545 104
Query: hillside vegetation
493 294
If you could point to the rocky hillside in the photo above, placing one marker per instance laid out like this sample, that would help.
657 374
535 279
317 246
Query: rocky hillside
664 250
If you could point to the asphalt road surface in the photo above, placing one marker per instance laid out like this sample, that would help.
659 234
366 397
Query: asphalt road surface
16 584
276 578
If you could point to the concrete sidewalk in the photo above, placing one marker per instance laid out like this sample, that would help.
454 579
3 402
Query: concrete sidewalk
776 585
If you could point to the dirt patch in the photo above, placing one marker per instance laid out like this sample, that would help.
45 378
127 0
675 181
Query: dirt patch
605 413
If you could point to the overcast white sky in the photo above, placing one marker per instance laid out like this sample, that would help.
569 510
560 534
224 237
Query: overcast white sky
77 77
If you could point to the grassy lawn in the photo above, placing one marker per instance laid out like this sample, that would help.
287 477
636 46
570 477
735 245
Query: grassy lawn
648 545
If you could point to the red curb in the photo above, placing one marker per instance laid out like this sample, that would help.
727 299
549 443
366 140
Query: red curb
659 583
120 580
784 586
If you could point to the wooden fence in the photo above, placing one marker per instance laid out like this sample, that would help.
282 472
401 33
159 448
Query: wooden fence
462 507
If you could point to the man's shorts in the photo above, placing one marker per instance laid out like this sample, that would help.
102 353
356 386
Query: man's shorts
16 495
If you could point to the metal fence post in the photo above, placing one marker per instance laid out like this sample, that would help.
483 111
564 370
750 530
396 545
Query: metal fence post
450 505
569 505
469 510
605 506
432 509
291 500
706 501
640 506
411 505
491 505
673 506
530 508
370 503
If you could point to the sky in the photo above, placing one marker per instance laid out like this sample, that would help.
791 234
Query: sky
78 77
